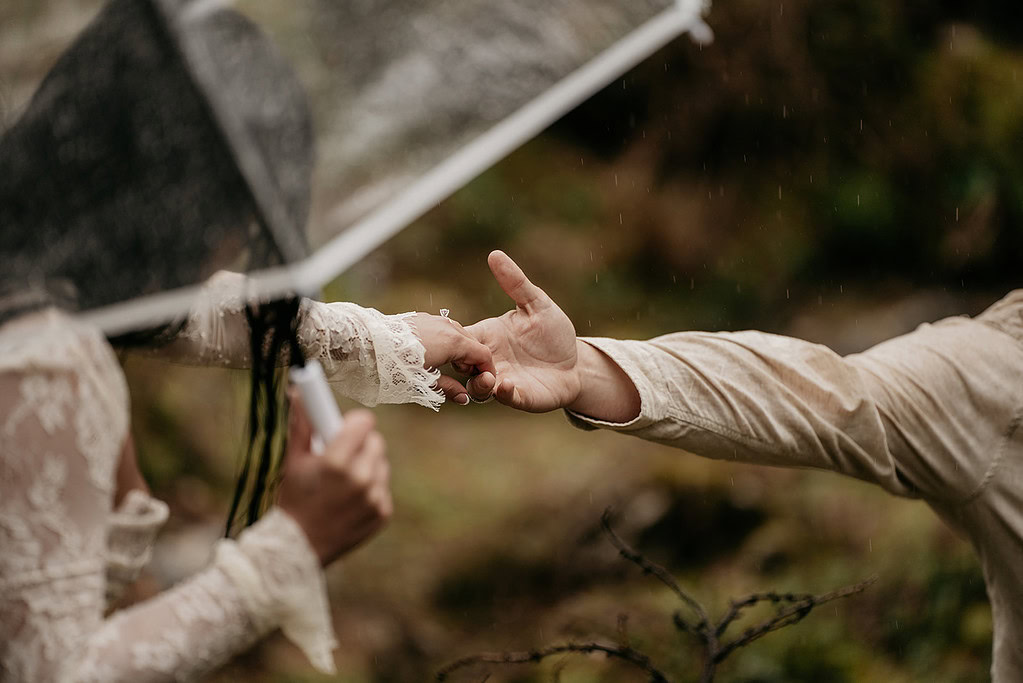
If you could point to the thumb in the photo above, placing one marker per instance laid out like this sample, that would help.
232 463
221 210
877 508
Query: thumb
514 282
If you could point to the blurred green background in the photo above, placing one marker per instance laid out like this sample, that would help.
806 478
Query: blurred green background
837 171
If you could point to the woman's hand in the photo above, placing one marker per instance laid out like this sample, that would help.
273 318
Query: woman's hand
446 341
342 497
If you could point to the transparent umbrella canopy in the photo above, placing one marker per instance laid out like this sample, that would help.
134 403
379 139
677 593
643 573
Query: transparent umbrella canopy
410 100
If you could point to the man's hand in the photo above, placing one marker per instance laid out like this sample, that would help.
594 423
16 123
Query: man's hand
534 347
540 363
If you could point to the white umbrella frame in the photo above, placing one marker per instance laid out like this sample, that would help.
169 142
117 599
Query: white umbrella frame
309 275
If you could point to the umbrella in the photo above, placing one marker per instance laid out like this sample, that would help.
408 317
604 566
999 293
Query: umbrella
410 100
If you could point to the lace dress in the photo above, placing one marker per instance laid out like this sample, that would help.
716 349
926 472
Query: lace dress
64 552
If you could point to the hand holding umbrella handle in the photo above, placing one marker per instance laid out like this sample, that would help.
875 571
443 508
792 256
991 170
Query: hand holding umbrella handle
318 401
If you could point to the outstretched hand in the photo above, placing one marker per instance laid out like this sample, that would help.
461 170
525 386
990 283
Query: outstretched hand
534 347
540 364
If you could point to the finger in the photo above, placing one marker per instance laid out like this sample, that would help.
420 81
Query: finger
300 431
513 281
452 390
475 354
381 487
380 497
482 386
363 466
357 426
507 393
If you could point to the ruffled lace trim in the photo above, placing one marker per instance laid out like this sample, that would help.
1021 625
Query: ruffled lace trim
279 578
376 358
131 532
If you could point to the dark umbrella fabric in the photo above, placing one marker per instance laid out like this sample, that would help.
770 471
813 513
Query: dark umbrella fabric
161 146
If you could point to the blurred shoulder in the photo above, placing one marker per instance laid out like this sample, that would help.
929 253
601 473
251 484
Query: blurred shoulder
55 343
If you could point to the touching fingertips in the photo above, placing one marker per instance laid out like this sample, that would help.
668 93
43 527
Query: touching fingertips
462 399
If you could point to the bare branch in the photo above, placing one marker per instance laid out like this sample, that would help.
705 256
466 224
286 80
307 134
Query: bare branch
786 616
654 569
625 654
736 607
791 608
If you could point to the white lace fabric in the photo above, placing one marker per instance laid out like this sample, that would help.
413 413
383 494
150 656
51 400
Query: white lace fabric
367 356
131 532
64 551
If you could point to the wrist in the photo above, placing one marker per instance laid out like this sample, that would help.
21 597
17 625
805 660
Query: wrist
605 392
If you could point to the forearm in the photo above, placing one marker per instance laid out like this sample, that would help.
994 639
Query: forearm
370 357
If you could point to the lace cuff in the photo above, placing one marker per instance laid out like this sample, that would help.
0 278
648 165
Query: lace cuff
131 531
375 358
280 581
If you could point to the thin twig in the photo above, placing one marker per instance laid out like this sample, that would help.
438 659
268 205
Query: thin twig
558 669
789 615
623 629
736 607
625 654
652 568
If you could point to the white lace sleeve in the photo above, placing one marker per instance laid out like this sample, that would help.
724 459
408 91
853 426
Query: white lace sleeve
63 420
368 356
269 578
131 531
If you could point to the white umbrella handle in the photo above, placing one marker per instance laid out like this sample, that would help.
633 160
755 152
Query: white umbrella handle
318 401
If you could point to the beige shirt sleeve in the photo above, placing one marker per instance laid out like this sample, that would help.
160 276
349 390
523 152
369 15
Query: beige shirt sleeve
932 414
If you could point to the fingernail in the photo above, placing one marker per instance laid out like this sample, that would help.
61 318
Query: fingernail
462 399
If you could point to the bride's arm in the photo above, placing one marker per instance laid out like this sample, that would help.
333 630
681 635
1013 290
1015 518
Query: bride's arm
63 416
370 357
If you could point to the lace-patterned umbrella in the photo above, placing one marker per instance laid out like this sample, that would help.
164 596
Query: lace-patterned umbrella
209 137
